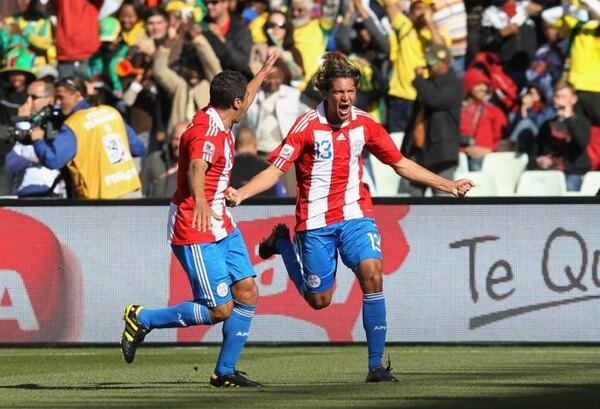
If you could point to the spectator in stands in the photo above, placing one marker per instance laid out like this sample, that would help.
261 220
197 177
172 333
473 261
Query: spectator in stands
413 34
279 34
451 16
584 55
563 139
94 143
102 65
132 25
434 139
30 28
76 34
482 124
29 177
257 14
533 112
270 117
189 91
14 80
229 38
311 33
247 163
508 31
159 168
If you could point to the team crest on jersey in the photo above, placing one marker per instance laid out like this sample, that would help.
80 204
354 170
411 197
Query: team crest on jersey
313 281
357 147
286 152
222 289
208 148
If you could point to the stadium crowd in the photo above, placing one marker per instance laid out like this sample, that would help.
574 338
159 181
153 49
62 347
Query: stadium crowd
447 78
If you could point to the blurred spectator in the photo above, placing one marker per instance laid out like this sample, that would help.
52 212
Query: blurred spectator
434 139
94 143
76 34
451 16
508 31
247 163
159 168
102 65
549 61
584 56
533 112
14 80
29 177
189 91
256 15
413 34
274 111
30 29
563 140
228 36
311 32
482 124
132 25
279 33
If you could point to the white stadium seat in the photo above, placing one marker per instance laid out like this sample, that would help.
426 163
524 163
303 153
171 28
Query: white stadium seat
485 185
542 183
506 169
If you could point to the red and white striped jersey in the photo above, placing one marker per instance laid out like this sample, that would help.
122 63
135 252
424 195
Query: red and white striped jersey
205 138
329 165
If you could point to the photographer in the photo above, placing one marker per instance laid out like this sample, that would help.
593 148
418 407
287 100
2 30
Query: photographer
94 143
29 177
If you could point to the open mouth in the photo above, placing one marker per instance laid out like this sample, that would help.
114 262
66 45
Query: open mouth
344 109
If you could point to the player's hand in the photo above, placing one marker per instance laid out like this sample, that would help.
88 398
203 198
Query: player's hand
462 186
231 197
202 216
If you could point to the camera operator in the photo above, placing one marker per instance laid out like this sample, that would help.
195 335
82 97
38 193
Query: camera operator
29 177
94 143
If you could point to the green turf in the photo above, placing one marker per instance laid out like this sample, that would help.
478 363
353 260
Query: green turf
303 377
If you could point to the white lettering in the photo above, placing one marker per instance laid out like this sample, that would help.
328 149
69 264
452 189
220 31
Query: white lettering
120 176
20 309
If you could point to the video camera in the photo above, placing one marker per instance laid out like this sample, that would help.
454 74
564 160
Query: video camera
20 131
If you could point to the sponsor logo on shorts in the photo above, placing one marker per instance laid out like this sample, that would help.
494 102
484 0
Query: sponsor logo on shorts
314 281
222 289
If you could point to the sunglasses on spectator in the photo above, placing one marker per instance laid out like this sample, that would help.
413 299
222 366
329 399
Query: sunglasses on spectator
213 2
278 24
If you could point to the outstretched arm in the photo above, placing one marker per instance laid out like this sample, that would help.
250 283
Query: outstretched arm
259 183
414 172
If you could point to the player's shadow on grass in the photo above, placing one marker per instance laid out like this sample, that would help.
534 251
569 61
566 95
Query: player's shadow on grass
98 386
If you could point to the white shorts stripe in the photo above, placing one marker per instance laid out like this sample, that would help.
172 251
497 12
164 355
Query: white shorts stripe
202 275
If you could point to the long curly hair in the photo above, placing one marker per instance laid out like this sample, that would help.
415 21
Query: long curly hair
333 66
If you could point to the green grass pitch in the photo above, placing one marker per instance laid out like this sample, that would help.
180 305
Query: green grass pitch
313 377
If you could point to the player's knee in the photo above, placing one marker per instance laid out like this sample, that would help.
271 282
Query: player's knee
318 303
222 312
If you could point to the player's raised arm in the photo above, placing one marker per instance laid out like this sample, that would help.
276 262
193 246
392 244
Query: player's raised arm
259 183
414 172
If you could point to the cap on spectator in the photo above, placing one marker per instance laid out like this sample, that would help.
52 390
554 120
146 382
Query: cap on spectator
185 8
48 70
435 53
473 77
19 60
427 2
110 28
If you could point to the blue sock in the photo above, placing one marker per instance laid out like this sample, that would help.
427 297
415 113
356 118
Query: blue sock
374 323
181 315
292 265
235 333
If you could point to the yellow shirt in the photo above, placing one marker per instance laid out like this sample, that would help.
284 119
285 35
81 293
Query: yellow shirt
256 29
409 54
311 42
102 167
585 54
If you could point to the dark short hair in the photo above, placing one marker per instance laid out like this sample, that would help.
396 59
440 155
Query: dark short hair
225 87
74 83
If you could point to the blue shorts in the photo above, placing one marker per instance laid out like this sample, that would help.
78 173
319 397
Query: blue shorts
355 240
213 267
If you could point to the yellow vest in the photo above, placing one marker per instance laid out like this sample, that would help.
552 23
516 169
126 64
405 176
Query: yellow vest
102 167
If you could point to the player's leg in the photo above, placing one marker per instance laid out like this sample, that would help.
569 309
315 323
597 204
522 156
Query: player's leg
360 249
236 327
207 273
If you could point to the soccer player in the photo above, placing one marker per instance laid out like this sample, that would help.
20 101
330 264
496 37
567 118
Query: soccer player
203 235
334 213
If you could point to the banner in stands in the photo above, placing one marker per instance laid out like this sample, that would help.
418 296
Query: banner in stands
452 274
